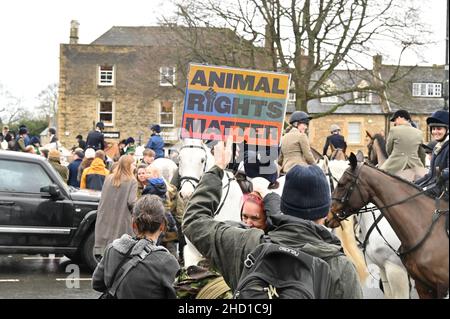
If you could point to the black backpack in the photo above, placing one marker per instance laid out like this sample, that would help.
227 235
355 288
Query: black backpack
275 271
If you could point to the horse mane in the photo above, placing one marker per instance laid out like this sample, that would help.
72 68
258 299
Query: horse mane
399 179
382 143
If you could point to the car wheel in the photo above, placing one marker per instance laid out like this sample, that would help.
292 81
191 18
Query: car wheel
88 251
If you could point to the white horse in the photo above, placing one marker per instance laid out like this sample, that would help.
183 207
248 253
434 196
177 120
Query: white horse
392 272
195 158
166 166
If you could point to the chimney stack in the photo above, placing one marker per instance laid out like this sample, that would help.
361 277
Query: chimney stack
74 31
377 60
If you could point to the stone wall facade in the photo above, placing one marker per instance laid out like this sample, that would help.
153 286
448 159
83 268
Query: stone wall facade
136 94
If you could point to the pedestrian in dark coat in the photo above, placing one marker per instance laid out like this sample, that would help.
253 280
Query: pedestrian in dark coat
73 168
81 143
153 276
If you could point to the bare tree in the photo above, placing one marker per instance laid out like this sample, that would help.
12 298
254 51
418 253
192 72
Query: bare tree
11 109
48 102
309 39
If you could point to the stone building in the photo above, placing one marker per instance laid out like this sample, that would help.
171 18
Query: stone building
133 77
417 89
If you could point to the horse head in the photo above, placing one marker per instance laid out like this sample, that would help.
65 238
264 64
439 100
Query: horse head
376 148
348 197
194 160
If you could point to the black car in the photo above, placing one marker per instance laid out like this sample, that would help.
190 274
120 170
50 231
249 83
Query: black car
41 214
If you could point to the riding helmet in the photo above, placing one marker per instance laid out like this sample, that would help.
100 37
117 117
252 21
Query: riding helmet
299 117
334 127
438 118
100 125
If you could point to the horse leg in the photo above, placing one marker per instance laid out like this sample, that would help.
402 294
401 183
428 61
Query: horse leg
385 282
347 236
397 279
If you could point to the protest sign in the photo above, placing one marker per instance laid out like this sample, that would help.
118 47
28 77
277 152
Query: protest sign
222 101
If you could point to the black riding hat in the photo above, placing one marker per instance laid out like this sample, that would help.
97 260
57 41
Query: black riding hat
438 118
299 117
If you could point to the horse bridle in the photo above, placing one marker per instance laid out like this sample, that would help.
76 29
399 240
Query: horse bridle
400 252
192 179
196 180
340 216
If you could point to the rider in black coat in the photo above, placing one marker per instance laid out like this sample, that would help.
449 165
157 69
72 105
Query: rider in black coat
95 139
335 140
439 160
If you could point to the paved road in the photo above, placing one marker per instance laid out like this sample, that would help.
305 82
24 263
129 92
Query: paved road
37 277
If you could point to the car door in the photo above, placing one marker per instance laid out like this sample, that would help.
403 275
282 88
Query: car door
27 217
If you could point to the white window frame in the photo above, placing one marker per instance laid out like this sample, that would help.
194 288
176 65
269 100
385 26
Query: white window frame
329 87
292 97
113 112
106 73
352 132
362 97
329 99
164 76
161 112
425 89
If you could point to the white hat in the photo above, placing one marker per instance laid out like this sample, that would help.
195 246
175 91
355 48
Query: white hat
89 153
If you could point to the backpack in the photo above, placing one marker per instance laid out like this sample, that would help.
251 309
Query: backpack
275 271
127 264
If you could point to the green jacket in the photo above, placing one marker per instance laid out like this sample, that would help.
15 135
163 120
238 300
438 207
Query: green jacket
61 169
227 246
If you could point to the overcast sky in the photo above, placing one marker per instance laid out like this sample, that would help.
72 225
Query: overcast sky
31 31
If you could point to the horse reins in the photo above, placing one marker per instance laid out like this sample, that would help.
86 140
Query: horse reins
228 186
400 252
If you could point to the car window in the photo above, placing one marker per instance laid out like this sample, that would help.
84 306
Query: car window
22 177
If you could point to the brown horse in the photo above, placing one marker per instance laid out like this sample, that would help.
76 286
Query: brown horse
376 147
317 155
413 215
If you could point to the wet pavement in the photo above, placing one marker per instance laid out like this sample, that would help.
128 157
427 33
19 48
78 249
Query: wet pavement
38 277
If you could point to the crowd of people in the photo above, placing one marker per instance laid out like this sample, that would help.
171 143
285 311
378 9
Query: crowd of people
137 205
